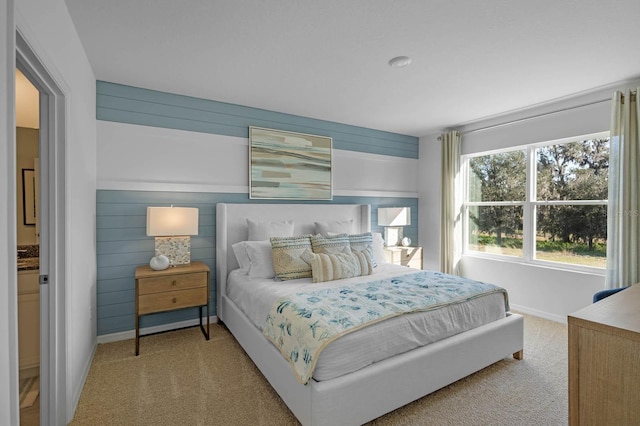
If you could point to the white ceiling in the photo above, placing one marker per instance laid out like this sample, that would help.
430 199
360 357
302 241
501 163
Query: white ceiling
327 59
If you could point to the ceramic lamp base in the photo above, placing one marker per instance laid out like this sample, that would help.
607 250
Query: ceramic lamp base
177 249
392 235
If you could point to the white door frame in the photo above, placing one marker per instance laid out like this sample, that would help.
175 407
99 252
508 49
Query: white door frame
53 342
9 400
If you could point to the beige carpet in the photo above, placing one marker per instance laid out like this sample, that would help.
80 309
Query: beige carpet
181 379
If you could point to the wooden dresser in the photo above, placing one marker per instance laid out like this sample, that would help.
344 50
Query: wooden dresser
604 361
180 287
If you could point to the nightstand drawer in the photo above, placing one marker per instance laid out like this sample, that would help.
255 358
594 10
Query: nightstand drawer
170 283
405 256
170 300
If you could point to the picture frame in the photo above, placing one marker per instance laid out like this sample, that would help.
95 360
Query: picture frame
28 197
289 166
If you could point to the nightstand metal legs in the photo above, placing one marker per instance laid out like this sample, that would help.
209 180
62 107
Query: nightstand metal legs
206 333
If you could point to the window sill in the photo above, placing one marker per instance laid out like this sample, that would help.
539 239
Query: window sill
538 263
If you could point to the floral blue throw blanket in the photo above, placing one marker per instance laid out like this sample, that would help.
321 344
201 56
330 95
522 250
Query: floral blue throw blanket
304 323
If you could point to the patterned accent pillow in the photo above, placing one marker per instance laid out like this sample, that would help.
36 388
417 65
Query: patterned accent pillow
292 257
329 267
363 242
330 245
379 255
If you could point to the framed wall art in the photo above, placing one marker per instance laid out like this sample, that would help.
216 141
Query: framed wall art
28 197
289 166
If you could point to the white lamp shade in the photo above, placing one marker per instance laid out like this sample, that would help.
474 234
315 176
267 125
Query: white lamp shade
172 221
394 216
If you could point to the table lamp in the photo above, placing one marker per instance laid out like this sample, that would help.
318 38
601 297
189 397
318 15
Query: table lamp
172 227
393 219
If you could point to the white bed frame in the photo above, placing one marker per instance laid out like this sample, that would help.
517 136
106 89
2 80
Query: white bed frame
382 387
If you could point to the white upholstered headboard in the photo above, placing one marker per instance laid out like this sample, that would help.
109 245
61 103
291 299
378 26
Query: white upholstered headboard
231 227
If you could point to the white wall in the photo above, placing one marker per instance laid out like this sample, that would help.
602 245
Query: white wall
47 27
542 291
547 292
134 157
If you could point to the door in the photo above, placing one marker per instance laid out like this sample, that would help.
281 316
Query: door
51 220
27 183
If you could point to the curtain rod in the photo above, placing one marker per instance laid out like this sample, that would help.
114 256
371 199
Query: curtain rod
493 126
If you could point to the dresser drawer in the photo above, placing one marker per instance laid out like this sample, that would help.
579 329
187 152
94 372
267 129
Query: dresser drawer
171 282
170 300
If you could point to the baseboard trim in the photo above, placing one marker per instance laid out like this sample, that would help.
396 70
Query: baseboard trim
537 313
28 363
131 334
77 392
29 371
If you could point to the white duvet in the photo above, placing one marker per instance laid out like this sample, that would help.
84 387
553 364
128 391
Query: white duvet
370 344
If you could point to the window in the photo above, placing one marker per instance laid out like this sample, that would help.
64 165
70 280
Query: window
497 188
544 202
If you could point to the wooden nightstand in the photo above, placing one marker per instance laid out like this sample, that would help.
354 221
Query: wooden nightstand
405 256
184 286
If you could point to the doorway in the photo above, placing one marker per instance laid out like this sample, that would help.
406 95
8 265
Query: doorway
50 235
27 234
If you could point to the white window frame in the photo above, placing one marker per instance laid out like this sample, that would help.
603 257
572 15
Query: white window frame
529 206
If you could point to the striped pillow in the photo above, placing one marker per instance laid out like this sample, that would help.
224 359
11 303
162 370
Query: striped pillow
292 257
363 242
329 267
330 245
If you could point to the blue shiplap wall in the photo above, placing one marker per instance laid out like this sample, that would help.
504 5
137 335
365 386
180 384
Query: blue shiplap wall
122 244
126 104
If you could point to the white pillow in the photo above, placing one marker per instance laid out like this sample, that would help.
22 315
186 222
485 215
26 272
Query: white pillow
240 250
260 231
259 253
336 227
254 258
378 248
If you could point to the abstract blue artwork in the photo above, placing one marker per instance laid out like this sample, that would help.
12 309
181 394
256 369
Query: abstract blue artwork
288 165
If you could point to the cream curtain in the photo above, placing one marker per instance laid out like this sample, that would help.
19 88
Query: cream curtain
450 169
623 212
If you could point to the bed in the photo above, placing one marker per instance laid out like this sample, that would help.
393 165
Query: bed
367 393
